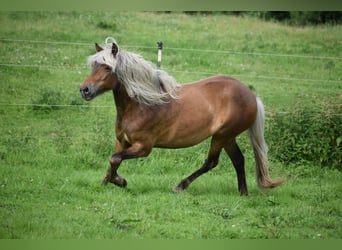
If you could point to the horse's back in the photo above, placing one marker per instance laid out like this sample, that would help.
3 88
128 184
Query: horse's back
228 101
225 84
220 90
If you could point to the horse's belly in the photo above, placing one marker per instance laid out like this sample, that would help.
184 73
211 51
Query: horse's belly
180 142
184 135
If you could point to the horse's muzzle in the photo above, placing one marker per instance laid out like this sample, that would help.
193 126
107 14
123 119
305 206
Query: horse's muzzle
87 92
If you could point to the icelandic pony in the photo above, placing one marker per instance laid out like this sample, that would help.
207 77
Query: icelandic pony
154 111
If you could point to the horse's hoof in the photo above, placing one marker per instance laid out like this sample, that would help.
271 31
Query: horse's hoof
243 193
105 181
124 184
120 182
182 186
178 189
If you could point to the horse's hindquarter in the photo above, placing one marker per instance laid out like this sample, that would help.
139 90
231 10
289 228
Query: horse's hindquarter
217 105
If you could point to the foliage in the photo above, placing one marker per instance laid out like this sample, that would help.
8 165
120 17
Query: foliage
303 17
295 18
46 100
308 133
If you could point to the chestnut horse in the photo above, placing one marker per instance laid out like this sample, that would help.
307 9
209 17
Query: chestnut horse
154 111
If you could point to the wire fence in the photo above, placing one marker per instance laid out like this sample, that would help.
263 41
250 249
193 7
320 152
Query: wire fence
65 68
72 68
84 68
32 105
178 49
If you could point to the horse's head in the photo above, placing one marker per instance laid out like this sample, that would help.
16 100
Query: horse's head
103 77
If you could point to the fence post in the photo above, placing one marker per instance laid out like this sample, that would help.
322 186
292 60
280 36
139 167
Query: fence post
160 48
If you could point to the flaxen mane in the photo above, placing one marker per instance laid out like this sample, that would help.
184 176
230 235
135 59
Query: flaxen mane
142 80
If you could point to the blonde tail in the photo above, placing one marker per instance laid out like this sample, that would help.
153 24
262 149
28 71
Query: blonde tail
256 135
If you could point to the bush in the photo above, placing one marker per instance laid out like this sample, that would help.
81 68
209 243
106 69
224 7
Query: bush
46 100
307 134
296 18
300 18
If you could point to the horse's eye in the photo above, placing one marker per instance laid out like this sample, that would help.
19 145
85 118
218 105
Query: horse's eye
108 68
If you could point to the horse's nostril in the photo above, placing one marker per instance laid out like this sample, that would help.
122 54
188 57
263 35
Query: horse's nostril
86 90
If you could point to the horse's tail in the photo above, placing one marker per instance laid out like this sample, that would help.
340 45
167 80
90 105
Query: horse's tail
256 135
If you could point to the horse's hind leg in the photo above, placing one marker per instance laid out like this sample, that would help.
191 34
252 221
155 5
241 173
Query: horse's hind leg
238 160
210 163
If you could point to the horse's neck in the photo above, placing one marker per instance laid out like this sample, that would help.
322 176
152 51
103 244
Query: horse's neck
123 102
127 106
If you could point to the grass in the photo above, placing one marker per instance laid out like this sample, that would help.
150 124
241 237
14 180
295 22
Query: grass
53 158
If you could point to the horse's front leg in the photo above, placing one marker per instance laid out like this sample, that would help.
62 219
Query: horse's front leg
136 150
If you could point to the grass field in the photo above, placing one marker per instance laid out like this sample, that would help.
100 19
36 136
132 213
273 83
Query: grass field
55 148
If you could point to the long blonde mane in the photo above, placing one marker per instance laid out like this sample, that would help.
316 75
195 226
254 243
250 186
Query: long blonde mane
141 79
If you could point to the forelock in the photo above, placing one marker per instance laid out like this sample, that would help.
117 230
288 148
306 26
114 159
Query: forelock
105 56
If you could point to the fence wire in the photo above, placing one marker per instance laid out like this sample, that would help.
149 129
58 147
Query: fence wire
68 68
178 49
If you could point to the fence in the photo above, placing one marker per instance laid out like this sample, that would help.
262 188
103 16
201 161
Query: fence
183 50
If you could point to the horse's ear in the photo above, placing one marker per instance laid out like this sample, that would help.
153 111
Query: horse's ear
115 49
98 47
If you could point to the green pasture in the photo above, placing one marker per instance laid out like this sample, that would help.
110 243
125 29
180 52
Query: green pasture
55 147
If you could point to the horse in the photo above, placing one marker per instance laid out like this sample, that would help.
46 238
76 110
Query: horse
154 111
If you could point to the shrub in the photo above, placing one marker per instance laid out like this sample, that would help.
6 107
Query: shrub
300 18
307 134
315 17
46 100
